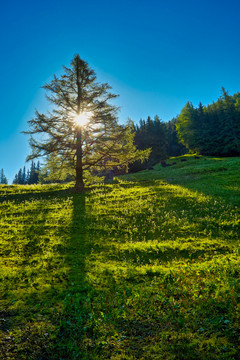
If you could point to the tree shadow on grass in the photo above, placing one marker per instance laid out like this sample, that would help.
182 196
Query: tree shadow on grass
76 302
45 295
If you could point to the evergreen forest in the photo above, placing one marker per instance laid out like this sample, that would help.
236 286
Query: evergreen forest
213 129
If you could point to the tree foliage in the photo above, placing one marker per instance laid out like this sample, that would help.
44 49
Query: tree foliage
161 137
101 143
3 179
174 146
213 129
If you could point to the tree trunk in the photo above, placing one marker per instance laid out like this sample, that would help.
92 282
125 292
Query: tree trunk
79 186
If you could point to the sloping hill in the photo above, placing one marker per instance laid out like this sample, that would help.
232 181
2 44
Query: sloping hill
212 176
146 268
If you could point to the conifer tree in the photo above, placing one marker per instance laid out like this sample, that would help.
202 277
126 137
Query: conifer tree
3 179
230 125
82 128
186 126
15 180
24 176
174 147
19 181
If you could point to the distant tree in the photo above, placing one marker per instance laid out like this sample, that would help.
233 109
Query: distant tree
174 147
28 176
20 178
186 126
229 124
3 179
34 173
15 180
24 176
82 128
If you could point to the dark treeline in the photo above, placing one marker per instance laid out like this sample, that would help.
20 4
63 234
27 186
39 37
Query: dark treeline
30 176
213 129
161 137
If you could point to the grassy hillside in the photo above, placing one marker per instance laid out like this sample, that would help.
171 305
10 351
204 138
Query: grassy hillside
146 268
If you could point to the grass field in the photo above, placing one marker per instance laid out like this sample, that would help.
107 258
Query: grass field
145 268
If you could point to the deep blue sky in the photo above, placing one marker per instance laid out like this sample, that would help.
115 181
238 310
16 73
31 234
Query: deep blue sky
156 54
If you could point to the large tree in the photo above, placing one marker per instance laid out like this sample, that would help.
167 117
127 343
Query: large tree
81 127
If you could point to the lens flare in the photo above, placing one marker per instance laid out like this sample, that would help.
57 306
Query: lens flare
83 118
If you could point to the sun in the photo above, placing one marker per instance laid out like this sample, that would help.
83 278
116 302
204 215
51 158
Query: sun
83 118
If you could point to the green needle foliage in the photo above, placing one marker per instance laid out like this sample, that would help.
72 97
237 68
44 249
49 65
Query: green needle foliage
3 179
98 143
213 129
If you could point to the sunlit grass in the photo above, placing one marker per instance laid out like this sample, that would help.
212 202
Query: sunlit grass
147 268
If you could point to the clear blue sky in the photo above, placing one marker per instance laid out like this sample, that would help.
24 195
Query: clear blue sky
156 54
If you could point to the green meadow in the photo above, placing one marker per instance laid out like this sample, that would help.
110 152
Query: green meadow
145 268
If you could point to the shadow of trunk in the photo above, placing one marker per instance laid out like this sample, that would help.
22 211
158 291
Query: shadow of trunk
77 308
78 247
